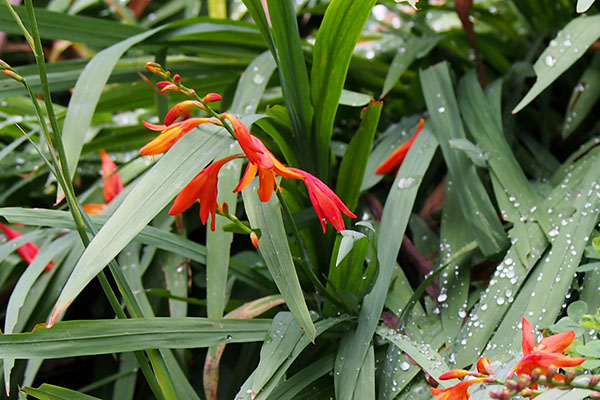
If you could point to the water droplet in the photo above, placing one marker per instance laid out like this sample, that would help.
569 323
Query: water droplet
404 366
405 183
442 109
442 297
500 301
258 79
567 43
549 61
553 232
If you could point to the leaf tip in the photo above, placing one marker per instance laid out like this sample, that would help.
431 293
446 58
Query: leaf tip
57 311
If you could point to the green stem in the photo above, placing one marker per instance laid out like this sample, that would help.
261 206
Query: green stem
160 384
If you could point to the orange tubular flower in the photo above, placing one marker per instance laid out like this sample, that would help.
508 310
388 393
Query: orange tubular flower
28 251
94 208
112 180
267 167
171 134
204 189
326 203
547 353
261 161
181 109
396 158
456 392
245 139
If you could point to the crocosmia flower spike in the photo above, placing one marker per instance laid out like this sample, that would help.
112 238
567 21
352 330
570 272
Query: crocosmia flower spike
395 159
28 251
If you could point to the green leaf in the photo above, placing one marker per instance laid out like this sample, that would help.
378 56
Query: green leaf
292 69
354 99
543 293
365 385
584 5
274 248
278 357
86 94
475 203
62 219
354 163
349 237
58 25
289 388
152 193
282 337
588 267
568 46
334 44
426 357
79 338
52 392
584 97
394 220
472 151
414 48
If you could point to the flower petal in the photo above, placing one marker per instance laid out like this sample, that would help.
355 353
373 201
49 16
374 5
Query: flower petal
397 157
112 180
181 109
527 342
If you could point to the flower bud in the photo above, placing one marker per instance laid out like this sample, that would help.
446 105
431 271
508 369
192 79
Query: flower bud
4 64
211 97
483 366
13 74
177 79
254 239
155 68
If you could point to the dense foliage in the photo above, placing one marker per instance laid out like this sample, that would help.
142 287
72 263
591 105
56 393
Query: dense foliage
426 202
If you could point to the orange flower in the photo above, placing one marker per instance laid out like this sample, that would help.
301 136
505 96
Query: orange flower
456 392
94 208
396 158
204 189
112 184
261 161
484 367
112 180
547 353
171 134
326 203
268 168
28 251
181 109
244 138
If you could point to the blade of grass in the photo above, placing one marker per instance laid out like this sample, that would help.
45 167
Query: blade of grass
275 250
52 392
78 338
564 50
393 224
293 76
474 201
339 32
354 162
